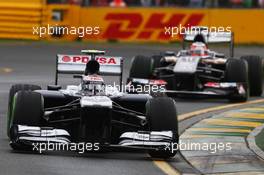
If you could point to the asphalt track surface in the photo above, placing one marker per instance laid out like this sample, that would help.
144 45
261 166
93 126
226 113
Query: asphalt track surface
34 63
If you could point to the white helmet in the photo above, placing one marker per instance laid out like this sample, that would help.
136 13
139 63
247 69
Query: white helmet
198 49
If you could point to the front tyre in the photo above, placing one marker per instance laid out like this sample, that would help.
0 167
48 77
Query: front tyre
28 109
161 115
255 74
13 90
237 72
141 67
156 61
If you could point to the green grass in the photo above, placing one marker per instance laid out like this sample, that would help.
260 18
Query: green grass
260 140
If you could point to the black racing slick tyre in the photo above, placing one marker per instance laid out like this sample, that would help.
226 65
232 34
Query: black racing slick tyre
141 67
161 115
13 90
237 72
156 61
255 74
28 109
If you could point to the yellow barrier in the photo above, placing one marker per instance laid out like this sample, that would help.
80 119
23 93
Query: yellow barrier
147 24
17 18
24 19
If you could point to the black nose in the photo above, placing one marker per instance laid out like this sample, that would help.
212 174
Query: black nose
92 67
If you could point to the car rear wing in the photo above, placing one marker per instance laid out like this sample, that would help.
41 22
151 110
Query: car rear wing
76 64
201 33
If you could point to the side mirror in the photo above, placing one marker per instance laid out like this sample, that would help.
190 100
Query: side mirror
54 87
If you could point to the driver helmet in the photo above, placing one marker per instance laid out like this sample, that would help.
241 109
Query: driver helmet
198 49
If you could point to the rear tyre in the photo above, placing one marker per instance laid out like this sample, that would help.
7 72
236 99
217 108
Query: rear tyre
28 109
162 116
13 90
237 72
255 74
141 67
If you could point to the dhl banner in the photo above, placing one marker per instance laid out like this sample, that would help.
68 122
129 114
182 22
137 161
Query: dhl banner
148 24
